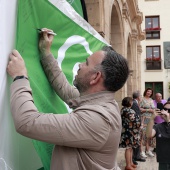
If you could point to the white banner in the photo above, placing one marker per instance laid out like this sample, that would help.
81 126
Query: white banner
16 152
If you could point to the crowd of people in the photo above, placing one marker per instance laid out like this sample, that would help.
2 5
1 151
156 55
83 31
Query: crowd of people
145 124
89 137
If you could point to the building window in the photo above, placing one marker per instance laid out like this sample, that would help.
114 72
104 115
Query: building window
152 27
157 87
153 58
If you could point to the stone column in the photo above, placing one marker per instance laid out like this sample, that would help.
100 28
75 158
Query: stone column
139 52
135 63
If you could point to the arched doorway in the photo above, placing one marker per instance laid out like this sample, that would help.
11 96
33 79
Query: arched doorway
116 30
116 40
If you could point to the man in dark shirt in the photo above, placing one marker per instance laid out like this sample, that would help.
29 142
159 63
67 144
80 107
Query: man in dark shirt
136 151
162 133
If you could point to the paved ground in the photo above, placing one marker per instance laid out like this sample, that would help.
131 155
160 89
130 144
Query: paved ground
150 163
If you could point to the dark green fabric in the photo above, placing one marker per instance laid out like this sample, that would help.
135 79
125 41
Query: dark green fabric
41 168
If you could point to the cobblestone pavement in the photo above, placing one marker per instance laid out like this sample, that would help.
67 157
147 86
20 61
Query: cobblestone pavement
150 164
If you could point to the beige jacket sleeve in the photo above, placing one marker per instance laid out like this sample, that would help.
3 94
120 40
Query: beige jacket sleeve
57 79
78 129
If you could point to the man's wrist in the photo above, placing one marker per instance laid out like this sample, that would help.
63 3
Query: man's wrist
45 53
20 77
152 119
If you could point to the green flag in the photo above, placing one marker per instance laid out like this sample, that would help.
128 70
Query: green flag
74 42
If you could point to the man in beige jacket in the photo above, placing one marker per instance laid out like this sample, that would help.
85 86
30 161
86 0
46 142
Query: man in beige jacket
88 138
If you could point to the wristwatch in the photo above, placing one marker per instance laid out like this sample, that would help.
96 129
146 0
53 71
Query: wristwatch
20 77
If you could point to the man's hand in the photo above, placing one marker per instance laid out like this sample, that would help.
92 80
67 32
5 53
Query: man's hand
151 110
155 113
165 115
16 65
150 132
45 42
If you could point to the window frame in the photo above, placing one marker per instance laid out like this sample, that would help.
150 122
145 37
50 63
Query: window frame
154 46
153 63
152 30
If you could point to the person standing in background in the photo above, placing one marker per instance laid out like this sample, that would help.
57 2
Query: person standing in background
130 131
158 102
162 133
147 109
135 106
158 99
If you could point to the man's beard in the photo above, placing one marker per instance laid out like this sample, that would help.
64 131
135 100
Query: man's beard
82 84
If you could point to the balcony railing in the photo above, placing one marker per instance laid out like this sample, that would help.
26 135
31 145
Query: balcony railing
153 33
153 29
153 64
153 58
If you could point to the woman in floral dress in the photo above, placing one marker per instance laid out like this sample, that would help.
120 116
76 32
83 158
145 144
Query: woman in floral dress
147 109
130 136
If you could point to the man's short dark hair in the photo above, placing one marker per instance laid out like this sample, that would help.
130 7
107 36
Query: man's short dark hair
115 69
135 94
127 101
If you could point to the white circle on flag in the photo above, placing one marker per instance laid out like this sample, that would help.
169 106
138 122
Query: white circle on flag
75 39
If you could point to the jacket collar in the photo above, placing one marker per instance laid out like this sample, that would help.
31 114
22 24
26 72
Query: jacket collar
90 99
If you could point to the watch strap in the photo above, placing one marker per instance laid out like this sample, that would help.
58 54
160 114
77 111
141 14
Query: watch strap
20 77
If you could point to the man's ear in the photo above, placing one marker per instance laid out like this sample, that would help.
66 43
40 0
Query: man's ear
96 78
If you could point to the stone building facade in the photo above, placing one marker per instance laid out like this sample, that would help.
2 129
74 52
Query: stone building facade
155 66
119 22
